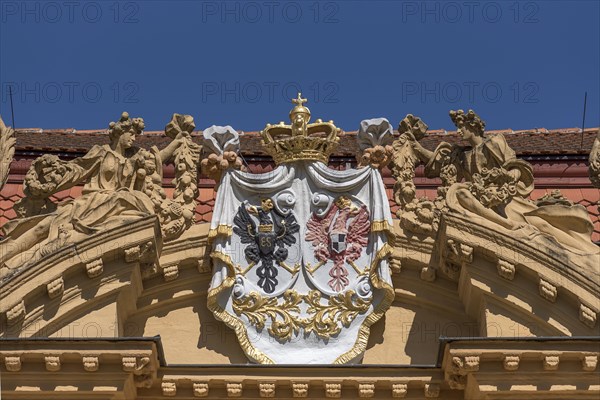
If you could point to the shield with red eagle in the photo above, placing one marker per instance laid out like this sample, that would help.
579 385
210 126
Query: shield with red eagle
339 237
300 260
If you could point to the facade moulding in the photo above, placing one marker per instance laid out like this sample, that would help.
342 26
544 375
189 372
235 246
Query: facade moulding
367 259
134 368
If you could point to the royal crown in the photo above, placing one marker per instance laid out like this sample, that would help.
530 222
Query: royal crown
300 140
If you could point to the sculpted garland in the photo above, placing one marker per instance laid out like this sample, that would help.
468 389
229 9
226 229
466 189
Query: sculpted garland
121 183
300 254
7 150
485 182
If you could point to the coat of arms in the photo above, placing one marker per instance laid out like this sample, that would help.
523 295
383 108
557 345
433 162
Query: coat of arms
300 253
339 236
267 244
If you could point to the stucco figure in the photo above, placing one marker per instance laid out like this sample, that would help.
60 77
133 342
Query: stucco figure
491 172
465 296
488 181
121 183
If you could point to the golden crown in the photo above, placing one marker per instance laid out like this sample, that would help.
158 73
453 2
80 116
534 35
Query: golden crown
300 140
265 228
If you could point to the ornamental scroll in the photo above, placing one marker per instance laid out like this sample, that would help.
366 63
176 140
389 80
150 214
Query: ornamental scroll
121 183
7 150
300 253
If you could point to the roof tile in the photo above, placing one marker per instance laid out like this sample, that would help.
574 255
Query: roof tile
531 141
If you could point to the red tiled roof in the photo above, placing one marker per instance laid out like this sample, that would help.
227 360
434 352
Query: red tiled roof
13 192
526 142
587 197
569 176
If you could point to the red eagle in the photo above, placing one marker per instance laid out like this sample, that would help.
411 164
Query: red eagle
340 236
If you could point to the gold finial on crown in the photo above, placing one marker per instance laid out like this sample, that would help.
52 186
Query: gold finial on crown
300 140
299 101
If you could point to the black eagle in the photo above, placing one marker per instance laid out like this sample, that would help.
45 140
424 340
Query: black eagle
266 243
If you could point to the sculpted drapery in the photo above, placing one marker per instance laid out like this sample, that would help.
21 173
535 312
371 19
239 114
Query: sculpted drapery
301 184
488 182
300 253
120 183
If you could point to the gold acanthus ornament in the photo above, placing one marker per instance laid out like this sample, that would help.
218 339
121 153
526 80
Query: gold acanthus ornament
325 320
300 140
258 308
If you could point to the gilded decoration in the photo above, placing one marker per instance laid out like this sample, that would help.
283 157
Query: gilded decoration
300 261
326 320
306 258
258 309
300 140
339 312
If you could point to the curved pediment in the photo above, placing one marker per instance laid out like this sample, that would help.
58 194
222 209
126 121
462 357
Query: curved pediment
301 266
129 291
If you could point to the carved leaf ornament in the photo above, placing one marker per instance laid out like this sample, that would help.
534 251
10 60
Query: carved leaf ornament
300 253
326 320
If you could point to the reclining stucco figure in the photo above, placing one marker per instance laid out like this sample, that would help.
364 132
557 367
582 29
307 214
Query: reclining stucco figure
487 181
121 183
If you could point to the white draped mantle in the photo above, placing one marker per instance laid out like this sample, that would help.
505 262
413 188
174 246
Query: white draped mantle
304 179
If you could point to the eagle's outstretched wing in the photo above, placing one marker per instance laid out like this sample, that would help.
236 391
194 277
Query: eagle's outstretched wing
244 227
7 150
318 233
318 228
358 229
286 228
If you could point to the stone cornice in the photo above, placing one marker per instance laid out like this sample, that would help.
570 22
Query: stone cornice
537 368
102 368
52 279
133 369
493 267
539 258
103 264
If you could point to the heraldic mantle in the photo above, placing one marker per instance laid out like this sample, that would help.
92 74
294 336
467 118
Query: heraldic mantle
349 280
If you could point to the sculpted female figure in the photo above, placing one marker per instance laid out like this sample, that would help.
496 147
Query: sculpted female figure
121 183
487 180
492 174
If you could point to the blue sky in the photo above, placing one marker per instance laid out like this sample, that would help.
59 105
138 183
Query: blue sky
519 64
